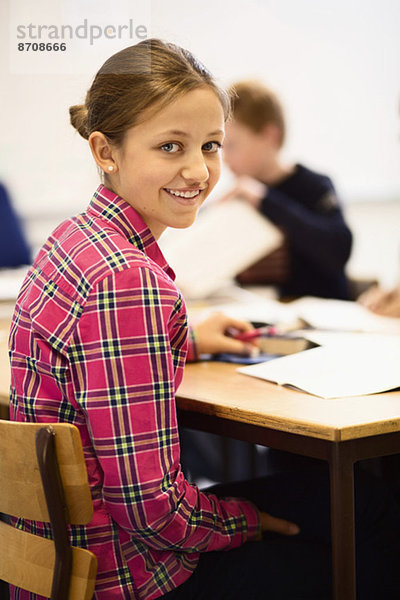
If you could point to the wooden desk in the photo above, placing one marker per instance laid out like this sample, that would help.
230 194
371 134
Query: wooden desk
214 397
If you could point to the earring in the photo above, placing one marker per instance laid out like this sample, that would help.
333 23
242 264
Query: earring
111 168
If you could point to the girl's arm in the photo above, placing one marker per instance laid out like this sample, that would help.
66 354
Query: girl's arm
127 357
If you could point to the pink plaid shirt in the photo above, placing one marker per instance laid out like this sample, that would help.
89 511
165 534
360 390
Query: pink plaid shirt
99 339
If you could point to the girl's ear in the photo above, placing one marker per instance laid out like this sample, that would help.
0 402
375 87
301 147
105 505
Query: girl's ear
102 152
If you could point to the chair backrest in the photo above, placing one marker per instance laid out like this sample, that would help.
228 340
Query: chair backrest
43 477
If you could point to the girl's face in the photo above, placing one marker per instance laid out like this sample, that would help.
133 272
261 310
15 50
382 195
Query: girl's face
170 162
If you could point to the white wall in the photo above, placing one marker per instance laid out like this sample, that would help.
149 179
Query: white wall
335 63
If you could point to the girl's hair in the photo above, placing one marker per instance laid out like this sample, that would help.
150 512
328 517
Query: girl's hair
151 73
255 105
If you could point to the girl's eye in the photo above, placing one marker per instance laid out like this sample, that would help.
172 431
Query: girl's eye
212 146
170 147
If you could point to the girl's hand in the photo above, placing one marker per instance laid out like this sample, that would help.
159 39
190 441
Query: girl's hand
270 523
215 334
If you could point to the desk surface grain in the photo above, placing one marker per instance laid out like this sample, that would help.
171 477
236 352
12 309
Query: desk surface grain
216 388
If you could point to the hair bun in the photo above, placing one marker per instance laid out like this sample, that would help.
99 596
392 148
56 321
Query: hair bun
78 117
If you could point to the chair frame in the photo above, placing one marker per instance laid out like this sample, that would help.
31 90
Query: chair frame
61 495
54 493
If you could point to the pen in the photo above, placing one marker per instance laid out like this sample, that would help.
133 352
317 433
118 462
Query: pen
256 333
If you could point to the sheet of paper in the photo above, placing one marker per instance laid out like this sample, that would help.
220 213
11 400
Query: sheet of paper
343 338
260 311
226 238
341 315
11 281
365 365
320 313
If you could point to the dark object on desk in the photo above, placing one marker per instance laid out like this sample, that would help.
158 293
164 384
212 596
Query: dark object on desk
14 249
284 344
243 360
270 347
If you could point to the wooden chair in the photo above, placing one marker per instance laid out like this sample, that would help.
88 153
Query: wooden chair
43 477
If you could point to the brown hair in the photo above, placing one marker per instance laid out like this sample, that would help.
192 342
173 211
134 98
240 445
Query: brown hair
150 73
255 106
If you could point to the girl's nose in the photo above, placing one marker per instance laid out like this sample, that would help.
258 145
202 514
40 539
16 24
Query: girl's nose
195 169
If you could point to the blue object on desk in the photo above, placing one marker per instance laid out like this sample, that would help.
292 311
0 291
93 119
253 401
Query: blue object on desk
14 250
242 360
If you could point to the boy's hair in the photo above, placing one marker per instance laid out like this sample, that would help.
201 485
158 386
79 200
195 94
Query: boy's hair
255 105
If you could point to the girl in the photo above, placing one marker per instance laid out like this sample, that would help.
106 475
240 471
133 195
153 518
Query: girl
99 339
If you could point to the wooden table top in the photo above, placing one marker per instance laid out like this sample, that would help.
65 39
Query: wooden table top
215 388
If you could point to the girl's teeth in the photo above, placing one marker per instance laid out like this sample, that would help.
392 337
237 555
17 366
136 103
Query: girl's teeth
184 194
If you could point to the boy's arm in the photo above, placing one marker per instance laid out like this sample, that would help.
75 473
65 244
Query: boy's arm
319 232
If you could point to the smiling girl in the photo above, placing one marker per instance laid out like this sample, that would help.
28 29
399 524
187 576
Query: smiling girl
169 163
99 339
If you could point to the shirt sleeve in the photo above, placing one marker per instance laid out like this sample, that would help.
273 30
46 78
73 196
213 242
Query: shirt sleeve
125 355
193 354
318 230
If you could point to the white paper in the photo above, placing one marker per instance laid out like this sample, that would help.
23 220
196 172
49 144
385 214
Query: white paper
226 238
264 311
11 281
344 338
342 315
365 365
320 313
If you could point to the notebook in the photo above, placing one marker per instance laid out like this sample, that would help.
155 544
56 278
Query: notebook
367 364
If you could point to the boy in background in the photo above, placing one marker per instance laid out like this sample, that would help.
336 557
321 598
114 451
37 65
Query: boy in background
302 203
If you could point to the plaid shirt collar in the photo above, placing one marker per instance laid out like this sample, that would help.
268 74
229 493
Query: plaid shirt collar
110 207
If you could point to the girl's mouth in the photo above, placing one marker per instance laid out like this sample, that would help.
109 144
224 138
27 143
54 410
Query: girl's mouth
187 194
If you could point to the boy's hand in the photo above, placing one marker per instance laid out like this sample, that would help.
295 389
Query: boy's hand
382 302
248 189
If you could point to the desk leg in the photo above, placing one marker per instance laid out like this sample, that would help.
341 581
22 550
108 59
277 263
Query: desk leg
342 523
